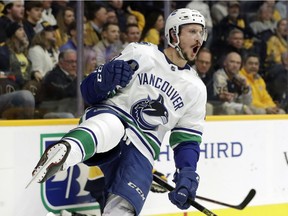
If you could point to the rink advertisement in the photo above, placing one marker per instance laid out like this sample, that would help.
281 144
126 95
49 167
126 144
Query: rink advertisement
237 154
66 189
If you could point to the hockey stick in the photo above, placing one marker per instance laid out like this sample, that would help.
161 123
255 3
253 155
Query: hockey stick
241 206
196 205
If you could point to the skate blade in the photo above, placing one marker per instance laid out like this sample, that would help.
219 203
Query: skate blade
33 179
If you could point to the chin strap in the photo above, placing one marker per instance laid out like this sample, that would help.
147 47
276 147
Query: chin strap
179 50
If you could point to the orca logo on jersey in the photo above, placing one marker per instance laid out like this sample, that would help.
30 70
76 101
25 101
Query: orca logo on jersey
150 113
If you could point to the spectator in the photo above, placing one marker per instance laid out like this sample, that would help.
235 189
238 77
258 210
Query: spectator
231 88
202 66
153 27
60 85
282 8
110 45
262 102
90 62
132 34
276 78
135 17
97 17
47 13
13 54
43 52
264 23
234 43
111 16
59 5
233 20
250 9
64 18
17 105
33 14
276 13
14 61
277 44
72 41
117 6
219 10
13 12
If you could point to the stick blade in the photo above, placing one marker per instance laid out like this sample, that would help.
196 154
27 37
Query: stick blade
248 199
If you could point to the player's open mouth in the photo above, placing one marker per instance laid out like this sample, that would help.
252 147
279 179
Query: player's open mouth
195 49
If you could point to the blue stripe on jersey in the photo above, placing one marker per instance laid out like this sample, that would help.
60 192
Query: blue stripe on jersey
79 145
150 149
94 137
151 142
187 130
82 135
154 138
118 110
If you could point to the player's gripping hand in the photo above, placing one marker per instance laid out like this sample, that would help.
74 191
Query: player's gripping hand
112 74
104 81
186 185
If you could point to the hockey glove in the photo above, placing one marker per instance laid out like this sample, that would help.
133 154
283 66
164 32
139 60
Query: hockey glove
112 74
155 187
186 185
104 80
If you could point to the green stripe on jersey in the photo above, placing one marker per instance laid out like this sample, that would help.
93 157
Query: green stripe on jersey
85 139
178 137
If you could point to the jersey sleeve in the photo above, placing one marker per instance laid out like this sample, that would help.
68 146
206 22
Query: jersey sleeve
190 127
186 137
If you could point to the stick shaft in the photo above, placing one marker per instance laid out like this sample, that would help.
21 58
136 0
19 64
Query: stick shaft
241 206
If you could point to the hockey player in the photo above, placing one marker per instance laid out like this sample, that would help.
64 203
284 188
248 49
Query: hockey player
135 99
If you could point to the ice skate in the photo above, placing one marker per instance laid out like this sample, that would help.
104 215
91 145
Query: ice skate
51 162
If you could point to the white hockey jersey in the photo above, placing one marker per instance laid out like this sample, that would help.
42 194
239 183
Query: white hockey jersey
159 98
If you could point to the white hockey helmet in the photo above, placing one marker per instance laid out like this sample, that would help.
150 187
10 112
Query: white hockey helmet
180 17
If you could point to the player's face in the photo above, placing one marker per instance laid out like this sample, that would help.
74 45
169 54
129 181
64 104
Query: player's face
191 39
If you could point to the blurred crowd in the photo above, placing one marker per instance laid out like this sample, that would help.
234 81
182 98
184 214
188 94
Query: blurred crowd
243 63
